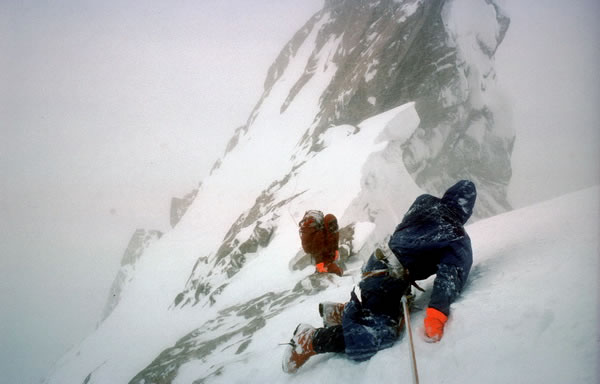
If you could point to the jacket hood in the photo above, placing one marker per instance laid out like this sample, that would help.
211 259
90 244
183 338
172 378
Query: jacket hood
460 199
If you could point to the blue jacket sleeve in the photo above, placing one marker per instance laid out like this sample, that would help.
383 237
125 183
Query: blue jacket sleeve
451 276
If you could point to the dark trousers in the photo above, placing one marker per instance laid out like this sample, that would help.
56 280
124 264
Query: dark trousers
330 339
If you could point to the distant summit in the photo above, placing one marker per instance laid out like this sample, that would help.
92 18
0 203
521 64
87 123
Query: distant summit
370 104
385 53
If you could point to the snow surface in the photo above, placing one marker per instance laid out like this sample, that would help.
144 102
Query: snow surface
408 9
354 163
474 29
528 314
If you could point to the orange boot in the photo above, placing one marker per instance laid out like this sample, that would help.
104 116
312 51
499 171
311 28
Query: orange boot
434 325
300 348
334 268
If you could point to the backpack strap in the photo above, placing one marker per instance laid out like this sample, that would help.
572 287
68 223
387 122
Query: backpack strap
395 272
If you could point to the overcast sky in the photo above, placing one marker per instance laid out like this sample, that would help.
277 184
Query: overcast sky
548 67
108 109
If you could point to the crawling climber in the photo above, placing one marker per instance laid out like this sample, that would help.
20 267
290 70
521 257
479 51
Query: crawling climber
320 238
431 239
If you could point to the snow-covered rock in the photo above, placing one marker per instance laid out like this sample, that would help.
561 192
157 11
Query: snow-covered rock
528 313
140 240
180 205
369 105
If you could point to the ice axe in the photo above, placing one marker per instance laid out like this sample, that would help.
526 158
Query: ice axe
413 359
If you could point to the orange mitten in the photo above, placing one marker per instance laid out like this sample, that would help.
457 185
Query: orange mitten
434 324
321 268
329 268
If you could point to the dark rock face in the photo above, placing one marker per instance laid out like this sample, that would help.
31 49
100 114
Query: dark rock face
139 242
251 231
388 53
392 52
460 136
180 205
232 334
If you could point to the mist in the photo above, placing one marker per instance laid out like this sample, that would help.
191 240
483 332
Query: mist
547 66
109 109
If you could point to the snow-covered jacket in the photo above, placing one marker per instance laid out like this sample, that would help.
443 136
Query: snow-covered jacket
431 239
371 324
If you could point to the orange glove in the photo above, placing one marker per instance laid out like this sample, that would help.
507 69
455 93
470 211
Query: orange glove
434 324
329 268
321 268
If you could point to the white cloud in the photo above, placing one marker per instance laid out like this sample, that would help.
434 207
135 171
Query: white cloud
108 110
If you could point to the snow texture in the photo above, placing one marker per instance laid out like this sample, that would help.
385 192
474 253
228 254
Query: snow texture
527 312
213 299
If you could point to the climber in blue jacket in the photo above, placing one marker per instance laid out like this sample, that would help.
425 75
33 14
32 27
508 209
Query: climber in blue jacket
431 239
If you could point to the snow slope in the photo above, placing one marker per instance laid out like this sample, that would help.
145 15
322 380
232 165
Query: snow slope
529 310
529 313
212 299
145 321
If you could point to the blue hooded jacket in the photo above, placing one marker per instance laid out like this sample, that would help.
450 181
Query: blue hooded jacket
431 239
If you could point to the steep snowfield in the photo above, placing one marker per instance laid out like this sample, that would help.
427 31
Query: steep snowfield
194 310
529 313
354 165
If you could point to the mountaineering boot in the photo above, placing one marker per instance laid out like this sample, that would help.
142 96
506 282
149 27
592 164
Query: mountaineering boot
299 349
331 313
334 268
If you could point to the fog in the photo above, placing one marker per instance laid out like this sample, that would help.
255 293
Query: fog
548 68
109 109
